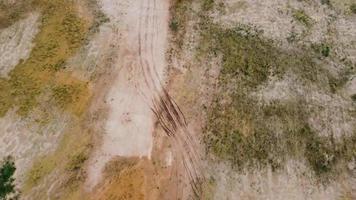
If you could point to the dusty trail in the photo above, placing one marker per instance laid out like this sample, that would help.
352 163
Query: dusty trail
163 106
137 98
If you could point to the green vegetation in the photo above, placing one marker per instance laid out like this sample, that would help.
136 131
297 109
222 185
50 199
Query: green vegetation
62 32
7 170
303 18
353 8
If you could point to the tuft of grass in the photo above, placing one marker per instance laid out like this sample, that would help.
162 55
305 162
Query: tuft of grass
353 8
323 49
77 161
207 4
303 18
326 2
353 97
65 95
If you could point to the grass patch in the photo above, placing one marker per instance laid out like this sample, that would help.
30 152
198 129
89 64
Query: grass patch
252 134
250 59
61 34
303 18
39 170
68 159
322 49
179 19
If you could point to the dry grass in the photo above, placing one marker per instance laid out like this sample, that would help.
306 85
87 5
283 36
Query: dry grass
62 33
11 12
254 134
125 179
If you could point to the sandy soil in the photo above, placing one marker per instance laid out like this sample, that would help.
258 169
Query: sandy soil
294 182
26 140
16 42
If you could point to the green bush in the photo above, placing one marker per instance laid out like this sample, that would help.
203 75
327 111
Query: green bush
7 185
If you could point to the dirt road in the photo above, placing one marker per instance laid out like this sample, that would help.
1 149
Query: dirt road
142 26
137 98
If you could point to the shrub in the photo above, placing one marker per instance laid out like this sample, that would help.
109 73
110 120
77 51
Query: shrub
7 170
323 49
174 25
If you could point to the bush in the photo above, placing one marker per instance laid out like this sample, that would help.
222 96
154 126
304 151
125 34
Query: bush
7 170
174 25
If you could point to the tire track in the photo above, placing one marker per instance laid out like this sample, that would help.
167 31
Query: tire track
166 110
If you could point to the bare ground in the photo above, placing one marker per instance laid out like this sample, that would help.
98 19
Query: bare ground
16 42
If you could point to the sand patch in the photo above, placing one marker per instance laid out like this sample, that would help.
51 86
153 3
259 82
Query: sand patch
16 42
